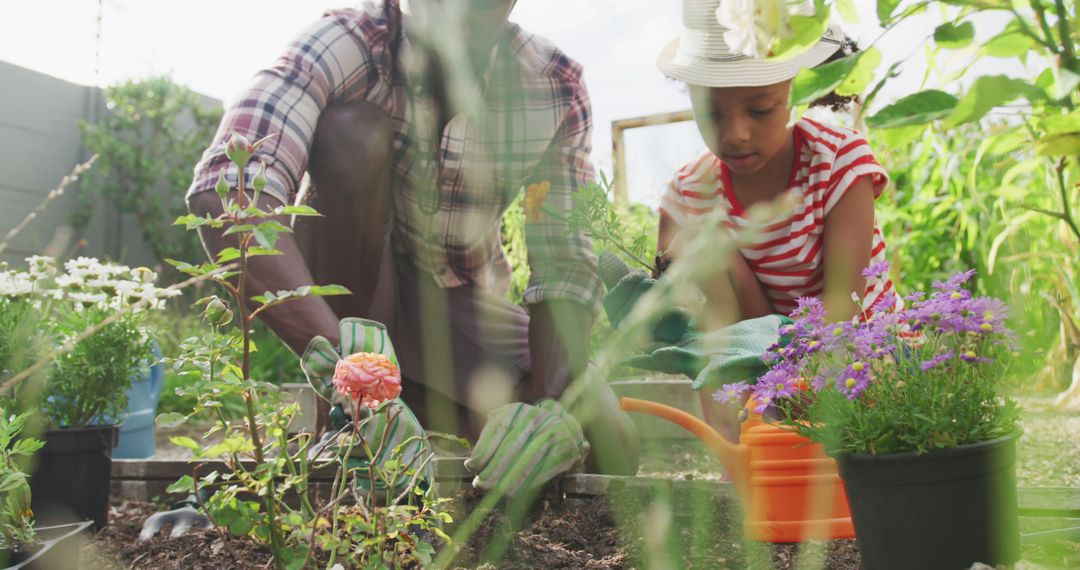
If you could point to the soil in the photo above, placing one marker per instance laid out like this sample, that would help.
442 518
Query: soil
117 546
566 534
592 533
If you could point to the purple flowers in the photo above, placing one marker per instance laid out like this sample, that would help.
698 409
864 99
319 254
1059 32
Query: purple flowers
731 392
877 270
936 360
893 347
853 380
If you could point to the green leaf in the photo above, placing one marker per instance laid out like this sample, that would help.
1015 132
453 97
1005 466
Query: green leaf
11 481
847 11
228 254
1003 142
1059 145
184 484
170 420
257 251
27 446
191 221
1009 43
1058 124
806 31
885 9
327 290
186 442
239 228
918 109
986 93
862 74
1065 82
954 36
267 232
296 211
240 526
813 83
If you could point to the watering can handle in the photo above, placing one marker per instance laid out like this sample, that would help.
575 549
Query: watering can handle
734 456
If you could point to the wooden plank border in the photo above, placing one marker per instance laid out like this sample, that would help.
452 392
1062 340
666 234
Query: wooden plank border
450 473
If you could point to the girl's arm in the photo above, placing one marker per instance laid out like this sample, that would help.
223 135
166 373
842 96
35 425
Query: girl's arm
736 288
848 235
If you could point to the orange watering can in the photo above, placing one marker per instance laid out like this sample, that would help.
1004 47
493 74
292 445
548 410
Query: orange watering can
790 490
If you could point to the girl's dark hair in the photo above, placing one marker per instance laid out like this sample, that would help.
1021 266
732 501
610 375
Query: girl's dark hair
833 101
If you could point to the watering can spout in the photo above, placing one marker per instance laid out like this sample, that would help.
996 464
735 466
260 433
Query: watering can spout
734 456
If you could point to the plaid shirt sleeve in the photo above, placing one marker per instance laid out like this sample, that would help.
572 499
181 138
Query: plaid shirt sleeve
563 265
330 61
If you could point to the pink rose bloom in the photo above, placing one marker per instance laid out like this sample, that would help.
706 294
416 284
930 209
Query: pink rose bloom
367 377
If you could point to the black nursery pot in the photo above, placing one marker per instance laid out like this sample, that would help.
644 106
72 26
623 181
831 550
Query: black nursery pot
946 509
72 479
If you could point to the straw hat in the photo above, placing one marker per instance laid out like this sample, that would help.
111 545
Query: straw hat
700 56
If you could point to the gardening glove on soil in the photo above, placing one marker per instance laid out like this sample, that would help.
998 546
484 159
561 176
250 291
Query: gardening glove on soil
625 287
405 437
524 446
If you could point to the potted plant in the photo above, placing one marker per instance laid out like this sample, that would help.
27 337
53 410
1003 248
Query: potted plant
21 544
911 404
88 320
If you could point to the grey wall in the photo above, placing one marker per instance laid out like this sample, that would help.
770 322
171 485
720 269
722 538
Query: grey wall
40 143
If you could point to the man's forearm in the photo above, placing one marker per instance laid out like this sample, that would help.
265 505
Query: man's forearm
295 322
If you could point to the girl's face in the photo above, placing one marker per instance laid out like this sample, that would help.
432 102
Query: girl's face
745 126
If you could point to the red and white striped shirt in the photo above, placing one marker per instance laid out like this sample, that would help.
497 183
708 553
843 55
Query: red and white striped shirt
785 252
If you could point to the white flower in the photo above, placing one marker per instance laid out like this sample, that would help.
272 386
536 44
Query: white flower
15 284
41 267
69 281
125 287
87 298
143 275
752 25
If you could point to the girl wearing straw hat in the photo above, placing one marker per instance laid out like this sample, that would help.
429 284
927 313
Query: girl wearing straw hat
755 156
821 179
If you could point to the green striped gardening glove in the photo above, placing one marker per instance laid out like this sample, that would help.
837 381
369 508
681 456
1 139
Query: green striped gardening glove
406 440
524 446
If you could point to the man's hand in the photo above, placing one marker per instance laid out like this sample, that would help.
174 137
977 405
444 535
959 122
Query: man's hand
404 432
524 446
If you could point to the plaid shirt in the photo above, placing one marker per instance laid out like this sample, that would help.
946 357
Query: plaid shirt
448 201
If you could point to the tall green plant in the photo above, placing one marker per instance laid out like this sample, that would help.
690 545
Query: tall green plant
264 462
151 134
1036 149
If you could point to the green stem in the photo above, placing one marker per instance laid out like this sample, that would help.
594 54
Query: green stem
1067 51
1044 25
602 236
1066 206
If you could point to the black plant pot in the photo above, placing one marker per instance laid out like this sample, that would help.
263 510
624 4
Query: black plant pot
72 479
946 509
56 547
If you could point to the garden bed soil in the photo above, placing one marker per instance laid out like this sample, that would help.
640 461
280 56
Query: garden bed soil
117 546
570 534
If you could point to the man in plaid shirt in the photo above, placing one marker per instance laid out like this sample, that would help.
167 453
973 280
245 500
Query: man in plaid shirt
413 183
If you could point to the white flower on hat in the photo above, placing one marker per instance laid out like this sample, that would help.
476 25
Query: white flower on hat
752 25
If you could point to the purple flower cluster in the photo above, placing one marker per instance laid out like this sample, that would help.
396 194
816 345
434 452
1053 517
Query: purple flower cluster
947 326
